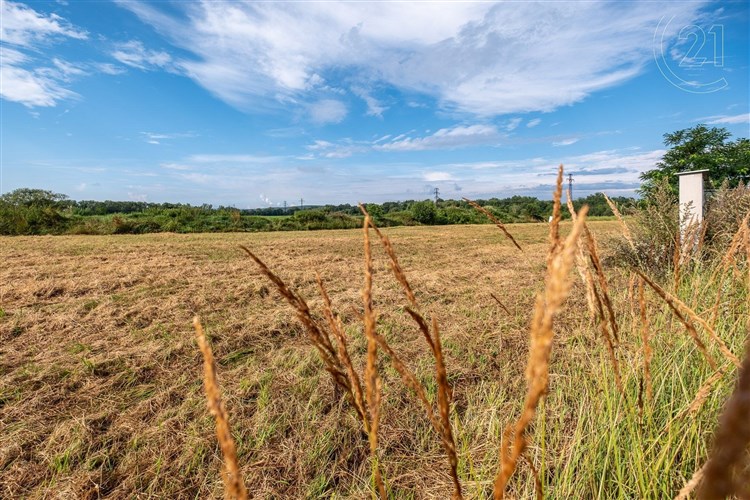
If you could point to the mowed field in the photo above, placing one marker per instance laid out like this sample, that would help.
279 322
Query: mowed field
101 379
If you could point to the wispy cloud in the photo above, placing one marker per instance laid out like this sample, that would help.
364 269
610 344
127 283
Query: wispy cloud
23 26
566 142
134 54
513 124
534 122
341 149
438 176
234 158
446 138
30 75
725 119
480 58
29 87
613 171
374 106
158 137
25 79
327 111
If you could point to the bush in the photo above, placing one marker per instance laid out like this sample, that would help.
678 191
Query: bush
655 233
423 212
724 213
656 228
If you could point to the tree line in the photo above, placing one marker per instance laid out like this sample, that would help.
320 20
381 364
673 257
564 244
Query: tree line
36 211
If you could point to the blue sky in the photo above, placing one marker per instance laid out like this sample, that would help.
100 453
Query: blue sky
253 104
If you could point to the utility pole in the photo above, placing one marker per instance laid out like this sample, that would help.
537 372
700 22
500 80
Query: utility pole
301 202
437 194
284 205
570 186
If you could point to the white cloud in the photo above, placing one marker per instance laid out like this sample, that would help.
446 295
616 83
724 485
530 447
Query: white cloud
327 111
26 86
438 176
613 171
233 158
513 124
108 68
566 142
476 57
67 69
24 80
176 166
445 138
374 107
533 123
330 150
23 26
725 119
134 54
157 137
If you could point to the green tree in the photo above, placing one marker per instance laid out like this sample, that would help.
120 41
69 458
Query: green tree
423 212
31 211
27 197
700 148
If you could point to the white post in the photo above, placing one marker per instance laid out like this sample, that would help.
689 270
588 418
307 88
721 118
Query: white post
692 197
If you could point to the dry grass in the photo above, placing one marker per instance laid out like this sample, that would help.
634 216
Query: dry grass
233 483
101 391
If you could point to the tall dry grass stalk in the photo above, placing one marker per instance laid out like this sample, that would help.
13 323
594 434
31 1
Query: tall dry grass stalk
538 488
338 362
597 264
442 426
398 271
582 265
606 322
373 385
675 305
608 340
625 229
554 226
444 397
495 220
234 487
317 335
702 394
723 472
726 260
502 306
690 486
342 351
365 393
647 351
557 286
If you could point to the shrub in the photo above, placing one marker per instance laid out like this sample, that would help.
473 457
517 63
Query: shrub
423 212
655 233
724 213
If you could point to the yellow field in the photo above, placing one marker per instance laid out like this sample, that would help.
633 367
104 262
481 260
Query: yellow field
101 380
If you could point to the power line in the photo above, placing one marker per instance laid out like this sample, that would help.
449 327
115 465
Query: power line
437 194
